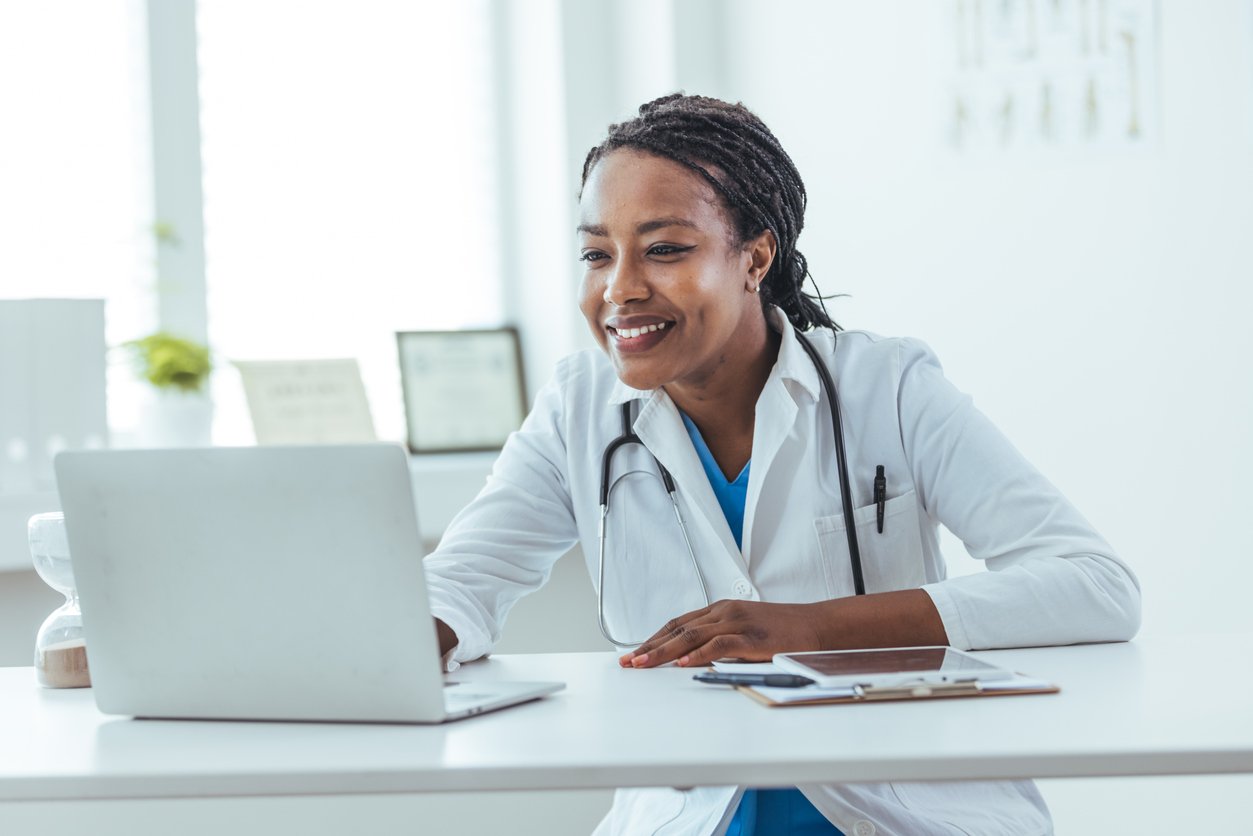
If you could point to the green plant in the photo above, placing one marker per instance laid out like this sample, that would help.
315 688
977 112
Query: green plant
170 362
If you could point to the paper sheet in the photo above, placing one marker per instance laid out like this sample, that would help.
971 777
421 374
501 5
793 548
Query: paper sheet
814 692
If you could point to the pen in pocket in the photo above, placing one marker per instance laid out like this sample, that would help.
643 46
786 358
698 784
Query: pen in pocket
880 495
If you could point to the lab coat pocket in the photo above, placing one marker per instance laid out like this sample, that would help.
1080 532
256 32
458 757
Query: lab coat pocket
890 560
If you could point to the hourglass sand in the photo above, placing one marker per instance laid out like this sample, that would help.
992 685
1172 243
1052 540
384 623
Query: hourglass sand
60 650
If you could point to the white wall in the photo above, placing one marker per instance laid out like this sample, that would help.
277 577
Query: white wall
1094 304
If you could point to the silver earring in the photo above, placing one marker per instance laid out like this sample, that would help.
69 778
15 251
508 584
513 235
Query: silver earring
757 288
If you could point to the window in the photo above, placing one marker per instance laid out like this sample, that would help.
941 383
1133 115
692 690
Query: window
75 187
350 184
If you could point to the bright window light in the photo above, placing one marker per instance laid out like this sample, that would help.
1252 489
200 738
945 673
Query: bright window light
75 188
350 184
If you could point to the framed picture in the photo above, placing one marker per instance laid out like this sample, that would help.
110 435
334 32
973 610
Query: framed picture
463 390
306 401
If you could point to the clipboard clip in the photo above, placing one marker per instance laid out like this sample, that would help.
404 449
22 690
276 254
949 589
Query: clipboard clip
918 691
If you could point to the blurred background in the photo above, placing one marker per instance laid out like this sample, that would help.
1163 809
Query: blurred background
1057 195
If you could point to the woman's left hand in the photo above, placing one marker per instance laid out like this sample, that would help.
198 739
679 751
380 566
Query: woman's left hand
751 630
755 630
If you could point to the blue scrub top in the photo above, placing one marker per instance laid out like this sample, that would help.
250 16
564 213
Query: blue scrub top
761 812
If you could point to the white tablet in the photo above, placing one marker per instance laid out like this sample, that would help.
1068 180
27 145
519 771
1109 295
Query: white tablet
889 667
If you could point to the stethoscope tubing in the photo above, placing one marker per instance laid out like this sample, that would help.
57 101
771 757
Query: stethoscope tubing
846 491
628 436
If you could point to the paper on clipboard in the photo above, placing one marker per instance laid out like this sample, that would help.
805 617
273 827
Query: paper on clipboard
814 695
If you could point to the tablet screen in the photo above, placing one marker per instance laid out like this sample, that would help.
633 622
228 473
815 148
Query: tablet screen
896 660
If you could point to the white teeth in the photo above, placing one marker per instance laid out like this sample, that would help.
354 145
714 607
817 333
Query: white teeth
632 333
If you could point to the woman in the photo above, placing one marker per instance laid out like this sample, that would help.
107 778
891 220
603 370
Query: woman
692 286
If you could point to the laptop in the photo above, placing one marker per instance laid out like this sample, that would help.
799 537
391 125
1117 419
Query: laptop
260 583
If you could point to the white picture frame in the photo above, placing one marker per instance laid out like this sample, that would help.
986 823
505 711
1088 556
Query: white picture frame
463 390
307 401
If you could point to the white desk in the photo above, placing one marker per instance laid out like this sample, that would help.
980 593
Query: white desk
1125 709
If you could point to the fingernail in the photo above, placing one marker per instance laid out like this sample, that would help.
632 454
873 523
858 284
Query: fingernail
642 659
683 662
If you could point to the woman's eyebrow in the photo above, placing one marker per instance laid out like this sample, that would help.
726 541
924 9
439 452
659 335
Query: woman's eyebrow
662 223
641 228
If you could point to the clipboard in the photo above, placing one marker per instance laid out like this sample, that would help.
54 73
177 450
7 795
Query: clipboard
1018 685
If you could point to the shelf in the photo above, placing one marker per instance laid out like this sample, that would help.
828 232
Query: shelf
442 485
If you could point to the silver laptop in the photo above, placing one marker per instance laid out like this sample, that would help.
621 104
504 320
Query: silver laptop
260 583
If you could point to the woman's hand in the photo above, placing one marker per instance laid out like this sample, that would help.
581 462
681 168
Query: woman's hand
750 630
755 630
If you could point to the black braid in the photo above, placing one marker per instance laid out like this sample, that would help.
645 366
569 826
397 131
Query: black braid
741 159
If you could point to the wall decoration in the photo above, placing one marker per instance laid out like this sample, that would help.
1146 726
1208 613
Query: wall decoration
463 390
307 401
1047 74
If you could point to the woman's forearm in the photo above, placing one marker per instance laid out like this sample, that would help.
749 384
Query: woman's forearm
904 618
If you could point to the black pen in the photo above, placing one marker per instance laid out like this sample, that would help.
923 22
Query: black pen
770 680
880 495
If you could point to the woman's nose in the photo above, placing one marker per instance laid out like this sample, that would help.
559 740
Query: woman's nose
625 284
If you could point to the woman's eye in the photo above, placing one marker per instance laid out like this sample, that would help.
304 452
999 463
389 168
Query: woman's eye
592 255
667 249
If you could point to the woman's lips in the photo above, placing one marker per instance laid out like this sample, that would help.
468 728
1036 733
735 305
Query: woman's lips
634 340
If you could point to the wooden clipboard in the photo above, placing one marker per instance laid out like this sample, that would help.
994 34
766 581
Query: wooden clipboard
915 692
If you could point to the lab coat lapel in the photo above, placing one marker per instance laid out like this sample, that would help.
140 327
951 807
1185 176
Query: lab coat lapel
778 407
776 414
660 427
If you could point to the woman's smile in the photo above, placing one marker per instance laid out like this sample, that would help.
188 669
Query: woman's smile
632 335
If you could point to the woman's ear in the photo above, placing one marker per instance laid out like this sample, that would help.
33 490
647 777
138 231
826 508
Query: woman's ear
760 252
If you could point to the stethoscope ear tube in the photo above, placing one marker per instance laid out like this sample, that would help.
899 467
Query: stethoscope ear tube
846 491
627 436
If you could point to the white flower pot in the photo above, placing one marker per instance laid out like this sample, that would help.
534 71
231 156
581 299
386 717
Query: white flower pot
174 418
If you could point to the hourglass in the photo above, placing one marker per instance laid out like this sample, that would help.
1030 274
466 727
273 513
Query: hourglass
60 650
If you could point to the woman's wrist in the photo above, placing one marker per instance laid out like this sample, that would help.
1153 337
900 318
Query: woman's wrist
904 618
447 638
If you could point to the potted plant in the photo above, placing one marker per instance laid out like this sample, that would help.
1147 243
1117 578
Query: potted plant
180 414
170 362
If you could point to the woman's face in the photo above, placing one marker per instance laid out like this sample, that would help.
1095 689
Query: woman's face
666 290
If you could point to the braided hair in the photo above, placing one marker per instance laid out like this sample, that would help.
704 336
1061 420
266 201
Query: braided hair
734 151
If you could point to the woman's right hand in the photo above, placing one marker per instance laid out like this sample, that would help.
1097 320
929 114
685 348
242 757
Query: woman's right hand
447 638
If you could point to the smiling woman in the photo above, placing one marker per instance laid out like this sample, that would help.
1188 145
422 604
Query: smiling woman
716 361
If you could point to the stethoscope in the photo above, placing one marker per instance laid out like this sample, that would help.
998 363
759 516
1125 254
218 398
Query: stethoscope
628 436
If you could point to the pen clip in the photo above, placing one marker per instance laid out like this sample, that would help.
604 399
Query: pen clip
880 495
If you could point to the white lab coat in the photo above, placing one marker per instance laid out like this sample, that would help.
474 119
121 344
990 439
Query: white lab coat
1053 579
